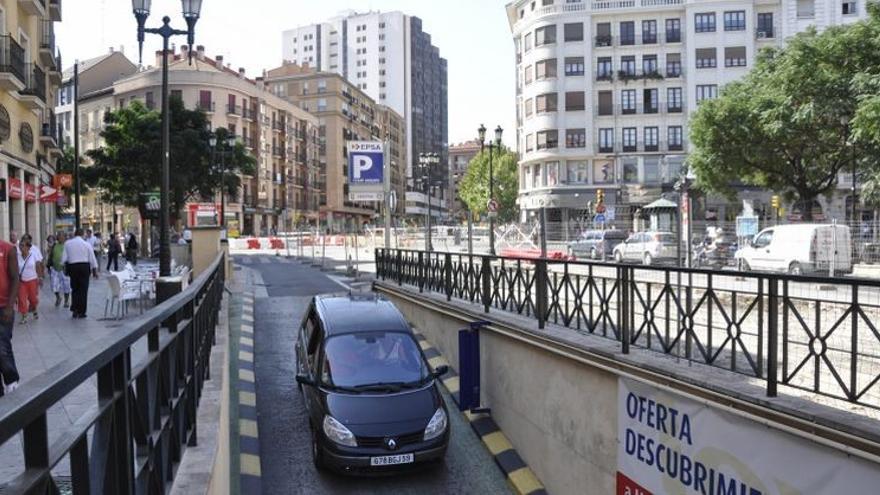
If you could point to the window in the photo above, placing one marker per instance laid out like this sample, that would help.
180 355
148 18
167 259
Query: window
705 58
650 100
849 8
652 138
629 139
530 142
388 355
603 34
706 92
606 140
537 177
735 56
606 103
673 65
806 9
151 104
546 103
603 171
704 23
765 25
545 35
604 69
628 33
176 93
735 20
530 107
552 169
649 64
673 100
763 240
576 138
673 30
574 101
548 139
527 41
628 65
674 138
545 69
574 66
631 174
649 32
577 171
322 104
528 74
574 32
628 101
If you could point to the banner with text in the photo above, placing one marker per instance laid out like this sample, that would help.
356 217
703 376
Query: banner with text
366 162
669 444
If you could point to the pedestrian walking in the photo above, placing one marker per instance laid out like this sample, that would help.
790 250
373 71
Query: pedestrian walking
8 291
79 260
113 250
60 280
97 246
131 249
30 274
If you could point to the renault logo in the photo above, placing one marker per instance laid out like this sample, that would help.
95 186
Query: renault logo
391 444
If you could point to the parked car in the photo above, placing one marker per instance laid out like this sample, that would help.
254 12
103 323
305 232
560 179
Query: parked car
372 399
596 244
647 247
797 249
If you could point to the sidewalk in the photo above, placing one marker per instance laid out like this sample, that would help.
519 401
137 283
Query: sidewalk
39 345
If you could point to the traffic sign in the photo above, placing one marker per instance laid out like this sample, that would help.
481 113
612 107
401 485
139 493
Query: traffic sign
492 205
600 208
600 218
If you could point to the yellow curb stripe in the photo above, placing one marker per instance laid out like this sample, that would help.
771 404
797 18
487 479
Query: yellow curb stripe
246 375
247 428
247 398
246 356
424 345
246 341
437 361
452 384
250 465
247 328
524 481
497 442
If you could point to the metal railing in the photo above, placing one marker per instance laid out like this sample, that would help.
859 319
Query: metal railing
12 57
811 333
144 415
35 81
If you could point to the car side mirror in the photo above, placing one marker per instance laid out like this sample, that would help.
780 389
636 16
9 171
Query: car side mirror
440 370
305 380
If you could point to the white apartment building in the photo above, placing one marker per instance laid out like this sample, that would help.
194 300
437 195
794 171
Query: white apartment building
604 89
388 56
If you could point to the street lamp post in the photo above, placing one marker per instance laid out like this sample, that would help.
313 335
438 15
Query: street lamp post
492 144
229 143
191 11
426 161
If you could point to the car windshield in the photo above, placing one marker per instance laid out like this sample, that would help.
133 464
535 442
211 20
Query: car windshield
665 238
373 359
615 235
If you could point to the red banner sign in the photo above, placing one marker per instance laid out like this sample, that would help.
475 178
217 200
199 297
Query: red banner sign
626 486
15 190
30 193
62 181
48 194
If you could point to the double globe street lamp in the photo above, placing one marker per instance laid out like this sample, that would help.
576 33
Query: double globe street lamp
226 147
427 162
492 144
191 12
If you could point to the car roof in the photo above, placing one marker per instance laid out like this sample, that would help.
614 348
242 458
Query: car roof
358 313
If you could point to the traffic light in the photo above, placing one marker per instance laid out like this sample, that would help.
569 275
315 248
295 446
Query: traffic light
600 196
774 201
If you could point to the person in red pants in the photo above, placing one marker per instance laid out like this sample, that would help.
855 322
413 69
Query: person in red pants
30 271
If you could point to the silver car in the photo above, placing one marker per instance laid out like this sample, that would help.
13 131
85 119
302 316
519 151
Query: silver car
646 247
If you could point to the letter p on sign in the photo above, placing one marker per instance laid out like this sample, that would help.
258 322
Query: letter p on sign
361 164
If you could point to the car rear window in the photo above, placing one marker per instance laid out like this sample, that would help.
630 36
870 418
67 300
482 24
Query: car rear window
615 234
665 238
358 359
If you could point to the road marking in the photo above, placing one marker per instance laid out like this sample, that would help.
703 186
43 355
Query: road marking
248 428
246 341
246 356
438 361
452 384
250 465
497 442
247 398
246 375
248 318
424 344
524 481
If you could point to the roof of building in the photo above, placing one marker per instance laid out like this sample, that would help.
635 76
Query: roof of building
358 313
90 63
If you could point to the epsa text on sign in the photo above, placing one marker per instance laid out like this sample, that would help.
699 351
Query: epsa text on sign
365 162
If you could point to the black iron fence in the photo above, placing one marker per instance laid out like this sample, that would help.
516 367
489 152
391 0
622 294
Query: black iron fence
144 415
817 334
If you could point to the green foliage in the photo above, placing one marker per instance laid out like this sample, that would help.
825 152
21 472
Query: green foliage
799 118
130 161
474 188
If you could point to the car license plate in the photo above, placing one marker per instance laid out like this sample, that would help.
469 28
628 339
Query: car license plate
390 460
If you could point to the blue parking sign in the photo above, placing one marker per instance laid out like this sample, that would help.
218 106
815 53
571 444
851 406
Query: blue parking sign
365 162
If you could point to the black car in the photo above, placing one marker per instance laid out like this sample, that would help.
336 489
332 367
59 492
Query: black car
372 399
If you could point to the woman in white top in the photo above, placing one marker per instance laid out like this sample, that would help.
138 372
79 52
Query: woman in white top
30 266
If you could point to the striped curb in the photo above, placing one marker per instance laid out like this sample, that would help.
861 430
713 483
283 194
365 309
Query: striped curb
519 475
248 433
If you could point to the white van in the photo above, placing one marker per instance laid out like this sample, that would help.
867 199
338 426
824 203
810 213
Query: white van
798 249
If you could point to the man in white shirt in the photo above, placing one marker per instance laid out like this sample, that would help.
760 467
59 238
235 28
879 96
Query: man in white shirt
79 260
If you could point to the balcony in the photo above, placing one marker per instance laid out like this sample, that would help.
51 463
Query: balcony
55 69
47 42
12 65
55 10
33 7
248 114
765 33
604 41
248 142
33 95
674 108
206 106
278 125
278 151
233 110
49 132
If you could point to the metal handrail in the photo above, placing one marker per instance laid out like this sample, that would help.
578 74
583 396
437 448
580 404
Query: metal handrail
150 404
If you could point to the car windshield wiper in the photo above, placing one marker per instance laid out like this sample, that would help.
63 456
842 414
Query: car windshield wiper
381 386
339 388
417 383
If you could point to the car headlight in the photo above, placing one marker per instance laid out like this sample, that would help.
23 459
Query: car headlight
437 425
337 432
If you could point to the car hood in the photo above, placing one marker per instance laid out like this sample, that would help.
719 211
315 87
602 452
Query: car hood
384 414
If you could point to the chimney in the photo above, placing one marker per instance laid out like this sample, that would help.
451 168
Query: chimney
219 61
260 83
200 49
112 49
241 72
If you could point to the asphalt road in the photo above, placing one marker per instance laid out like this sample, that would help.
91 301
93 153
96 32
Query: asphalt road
285 454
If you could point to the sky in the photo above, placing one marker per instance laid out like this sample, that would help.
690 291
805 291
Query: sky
473 36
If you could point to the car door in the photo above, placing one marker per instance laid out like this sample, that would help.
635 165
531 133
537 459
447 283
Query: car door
302 343
761 258
313 356
635 248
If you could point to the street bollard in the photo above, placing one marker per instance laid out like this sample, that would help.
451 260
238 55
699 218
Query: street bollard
469 368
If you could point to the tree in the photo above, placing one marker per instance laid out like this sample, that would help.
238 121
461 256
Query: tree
130 161
788 125
474 188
